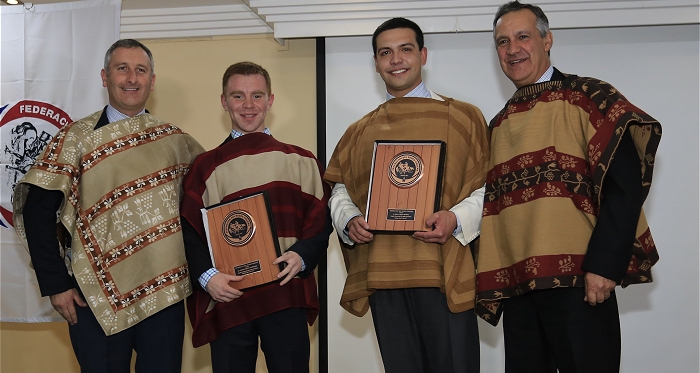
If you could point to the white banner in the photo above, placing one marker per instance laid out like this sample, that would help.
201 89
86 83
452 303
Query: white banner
50 61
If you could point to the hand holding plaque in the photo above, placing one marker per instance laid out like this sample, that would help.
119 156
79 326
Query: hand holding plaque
405 185
242 239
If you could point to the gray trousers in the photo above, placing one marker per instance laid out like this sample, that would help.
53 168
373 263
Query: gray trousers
418 333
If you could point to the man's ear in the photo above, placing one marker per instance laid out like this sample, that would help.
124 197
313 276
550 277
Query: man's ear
548 41
103 74
223 102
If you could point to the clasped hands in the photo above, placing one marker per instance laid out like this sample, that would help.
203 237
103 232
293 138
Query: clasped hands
443 223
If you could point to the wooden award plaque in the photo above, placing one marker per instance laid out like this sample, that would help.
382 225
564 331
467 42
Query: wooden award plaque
405 185
242 239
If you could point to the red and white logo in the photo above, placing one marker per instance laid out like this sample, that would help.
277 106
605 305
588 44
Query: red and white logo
26 127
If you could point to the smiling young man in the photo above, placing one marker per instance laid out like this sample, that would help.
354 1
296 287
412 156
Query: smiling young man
247 99
571 164
250 160
114 180
420 287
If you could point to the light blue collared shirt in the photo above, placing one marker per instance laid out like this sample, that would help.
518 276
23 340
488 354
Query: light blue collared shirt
547 76
419 91
114 115
236 134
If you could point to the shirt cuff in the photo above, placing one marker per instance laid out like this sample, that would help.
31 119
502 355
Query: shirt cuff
468 214
206 276
458 230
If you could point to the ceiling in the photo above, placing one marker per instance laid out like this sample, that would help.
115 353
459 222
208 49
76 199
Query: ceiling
148 19
152 4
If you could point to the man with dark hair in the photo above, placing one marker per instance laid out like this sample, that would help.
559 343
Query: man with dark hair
250 160
571 164
420 287
113 178
397 23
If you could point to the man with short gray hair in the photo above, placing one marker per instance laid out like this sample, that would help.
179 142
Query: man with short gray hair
570 166
113 180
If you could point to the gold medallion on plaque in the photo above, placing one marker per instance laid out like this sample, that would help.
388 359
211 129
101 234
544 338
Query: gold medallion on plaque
238 227
405 169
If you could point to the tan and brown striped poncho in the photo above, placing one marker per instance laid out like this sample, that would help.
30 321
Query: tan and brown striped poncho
392 261
121 185
550 149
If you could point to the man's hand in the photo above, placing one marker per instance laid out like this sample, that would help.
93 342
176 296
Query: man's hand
443 223
220 290
597 288
358 230
293 266
65 302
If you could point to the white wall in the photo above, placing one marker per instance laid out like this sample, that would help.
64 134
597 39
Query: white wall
657 69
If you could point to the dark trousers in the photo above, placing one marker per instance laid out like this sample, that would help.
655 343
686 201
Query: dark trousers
418 333
284 339
546 330
157 341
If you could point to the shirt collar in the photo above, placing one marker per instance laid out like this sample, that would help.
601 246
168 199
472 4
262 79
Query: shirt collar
419 91
236 134
114 115
547 76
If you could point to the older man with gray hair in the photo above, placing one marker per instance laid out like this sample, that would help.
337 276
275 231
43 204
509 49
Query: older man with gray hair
570 166
99 213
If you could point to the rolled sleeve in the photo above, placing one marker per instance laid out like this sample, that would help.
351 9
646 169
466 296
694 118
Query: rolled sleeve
342 211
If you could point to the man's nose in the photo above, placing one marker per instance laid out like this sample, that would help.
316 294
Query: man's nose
396 58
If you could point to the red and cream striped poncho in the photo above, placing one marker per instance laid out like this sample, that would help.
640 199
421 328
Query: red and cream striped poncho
298 197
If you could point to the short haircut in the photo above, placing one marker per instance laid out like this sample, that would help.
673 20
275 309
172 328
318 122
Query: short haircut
246 68
397 23
127 43
514 6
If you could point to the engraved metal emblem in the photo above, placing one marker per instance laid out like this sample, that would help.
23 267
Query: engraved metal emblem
238 227
405 169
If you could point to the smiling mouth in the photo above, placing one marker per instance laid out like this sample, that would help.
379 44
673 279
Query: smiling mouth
130 89
516 61
396 72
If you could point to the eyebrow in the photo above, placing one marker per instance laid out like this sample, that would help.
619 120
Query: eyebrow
239 92
517 33
400 46
127 63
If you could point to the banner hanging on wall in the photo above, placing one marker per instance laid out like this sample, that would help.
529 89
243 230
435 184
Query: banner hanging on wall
50 61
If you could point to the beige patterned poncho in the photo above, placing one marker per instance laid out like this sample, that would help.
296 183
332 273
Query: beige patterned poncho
121 185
